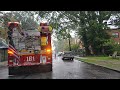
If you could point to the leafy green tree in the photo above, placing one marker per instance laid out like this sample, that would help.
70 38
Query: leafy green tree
75 47
27 19
88 25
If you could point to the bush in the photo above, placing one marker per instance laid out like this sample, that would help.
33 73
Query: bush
110 47
75 47
108 50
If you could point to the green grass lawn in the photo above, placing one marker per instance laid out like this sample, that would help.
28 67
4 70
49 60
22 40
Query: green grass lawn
103 61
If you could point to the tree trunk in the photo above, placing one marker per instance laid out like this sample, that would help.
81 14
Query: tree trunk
87 51
69 45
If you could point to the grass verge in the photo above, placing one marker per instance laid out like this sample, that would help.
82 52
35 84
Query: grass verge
107 62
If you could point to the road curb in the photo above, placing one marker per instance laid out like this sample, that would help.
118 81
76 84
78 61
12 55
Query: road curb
99 65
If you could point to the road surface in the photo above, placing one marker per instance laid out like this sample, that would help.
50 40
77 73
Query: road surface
67 70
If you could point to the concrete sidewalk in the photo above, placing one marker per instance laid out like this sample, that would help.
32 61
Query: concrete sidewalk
3 64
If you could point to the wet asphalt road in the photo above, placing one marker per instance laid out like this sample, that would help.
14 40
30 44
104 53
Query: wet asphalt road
67 70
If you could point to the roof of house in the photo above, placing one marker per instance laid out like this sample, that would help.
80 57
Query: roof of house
3 44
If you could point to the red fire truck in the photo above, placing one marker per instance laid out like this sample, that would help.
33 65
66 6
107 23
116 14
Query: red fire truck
30 50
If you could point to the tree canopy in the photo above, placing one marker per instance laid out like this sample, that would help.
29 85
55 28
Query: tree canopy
88 25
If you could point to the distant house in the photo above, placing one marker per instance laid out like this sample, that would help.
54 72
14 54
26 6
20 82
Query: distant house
115 35
3 43
3 32
3 50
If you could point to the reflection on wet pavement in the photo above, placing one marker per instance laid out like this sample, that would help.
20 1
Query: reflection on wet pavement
66 69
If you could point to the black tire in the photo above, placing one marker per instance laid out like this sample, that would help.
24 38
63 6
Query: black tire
72 58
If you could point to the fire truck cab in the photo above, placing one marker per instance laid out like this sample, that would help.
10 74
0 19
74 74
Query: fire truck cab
30 50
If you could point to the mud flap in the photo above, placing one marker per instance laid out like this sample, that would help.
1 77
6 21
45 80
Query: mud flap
29 69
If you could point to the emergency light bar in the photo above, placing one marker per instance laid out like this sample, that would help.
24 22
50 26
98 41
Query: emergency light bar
44 24
44 27
15 23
